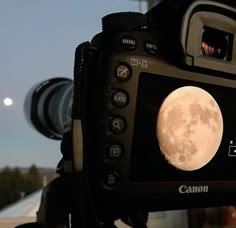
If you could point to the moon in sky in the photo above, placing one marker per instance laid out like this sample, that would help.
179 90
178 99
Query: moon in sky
7 101
189 128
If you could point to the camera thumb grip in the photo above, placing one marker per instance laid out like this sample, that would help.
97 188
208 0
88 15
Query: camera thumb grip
66 146
79 79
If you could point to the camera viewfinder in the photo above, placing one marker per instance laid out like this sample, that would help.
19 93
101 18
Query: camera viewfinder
217 44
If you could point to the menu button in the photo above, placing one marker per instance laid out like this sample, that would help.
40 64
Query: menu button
128 42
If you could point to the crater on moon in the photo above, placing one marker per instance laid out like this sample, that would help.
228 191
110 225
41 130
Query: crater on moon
189 128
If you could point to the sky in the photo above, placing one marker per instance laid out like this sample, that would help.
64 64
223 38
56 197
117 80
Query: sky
37 42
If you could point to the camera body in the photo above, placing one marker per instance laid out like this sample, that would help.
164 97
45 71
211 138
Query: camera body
121 80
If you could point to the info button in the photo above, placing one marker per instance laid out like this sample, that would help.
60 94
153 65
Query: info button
151 47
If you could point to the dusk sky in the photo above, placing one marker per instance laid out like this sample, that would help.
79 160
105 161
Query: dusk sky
37 42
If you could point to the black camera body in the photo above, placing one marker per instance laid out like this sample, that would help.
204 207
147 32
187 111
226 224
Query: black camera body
123 80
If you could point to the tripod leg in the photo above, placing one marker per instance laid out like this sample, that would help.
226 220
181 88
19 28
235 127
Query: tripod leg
136 220
53 212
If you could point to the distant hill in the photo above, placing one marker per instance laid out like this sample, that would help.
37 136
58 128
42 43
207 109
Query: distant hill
47 173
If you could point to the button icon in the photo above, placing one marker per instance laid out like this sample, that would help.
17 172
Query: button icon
111 179
115 151
232 151
143 63
122 73
128 42
117 125
120 99
150 47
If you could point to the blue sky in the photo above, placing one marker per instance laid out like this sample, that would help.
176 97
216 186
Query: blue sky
37 41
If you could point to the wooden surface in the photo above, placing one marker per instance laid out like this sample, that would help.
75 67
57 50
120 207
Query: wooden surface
11 222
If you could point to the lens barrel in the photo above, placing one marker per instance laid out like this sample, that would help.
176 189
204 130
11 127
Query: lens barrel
48 106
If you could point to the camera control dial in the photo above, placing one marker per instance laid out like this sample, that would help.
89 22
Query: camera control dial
123 21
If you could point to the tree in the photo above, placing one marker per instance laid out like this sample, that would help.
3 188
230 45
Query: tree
33 180
13 183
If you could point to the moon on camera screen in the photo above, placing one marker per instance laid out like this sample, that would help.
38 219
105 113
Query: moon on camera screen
189 128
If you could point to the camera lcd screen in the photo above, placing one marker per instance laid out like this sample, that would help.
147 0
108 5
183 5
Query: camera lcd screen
148 162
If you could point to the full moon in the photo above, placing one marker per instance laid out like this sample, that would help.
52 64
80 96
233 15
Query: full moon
7 101
189 128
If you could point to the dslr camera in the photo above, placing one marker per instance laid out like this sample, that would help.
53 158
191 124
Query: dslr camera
153 99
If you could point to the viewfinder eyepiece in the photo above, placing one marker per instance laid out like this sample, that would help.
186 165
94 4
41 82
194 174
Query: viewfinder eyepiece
217 44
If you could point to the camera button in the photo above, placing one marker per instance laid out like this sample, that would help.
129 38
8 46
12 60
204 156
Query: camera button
128 42
111 179
117 125
150 47
120 99
122 73
115 152
232 151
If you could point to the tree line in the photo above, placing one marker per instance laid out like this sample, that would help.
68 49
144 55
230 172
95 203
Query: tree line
14 184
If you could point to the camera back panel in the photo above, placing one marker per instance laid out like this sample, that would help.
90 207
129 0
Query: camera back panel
128 168
132 166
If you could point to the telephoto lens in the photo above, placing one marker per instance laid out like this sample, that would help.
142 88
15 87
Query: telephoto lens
48 106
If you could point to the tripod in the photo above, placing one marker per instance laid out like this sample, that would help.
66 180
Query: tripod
59 208
66 202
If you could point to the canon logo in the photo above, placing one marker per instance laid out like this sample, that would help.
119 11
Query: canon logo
183 189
